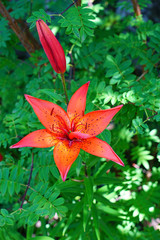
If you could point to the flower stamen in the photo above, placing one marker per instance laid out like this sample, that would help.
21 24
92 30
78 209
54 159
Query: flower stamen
72 123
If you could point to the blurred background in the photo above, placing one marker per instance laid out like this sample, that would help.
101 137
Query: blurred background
115 45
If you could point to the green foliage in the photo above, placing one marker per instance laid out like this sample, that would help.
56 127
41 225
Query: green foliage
120 57
90 55
20 8
41 14
81 24
124 4
5 34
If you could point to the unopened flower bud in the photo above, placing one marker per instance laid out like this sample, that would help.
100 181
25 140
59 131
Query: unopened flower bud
52 47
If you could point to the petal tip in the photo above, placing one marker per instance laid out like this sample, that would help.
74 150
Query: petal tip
14 146
64 173
27 96
63 179
122 164
121 105
63 176
38 24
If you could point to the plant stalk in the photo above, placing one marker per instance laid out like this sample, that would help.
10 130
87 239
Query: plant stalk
28 184
136 7
64 87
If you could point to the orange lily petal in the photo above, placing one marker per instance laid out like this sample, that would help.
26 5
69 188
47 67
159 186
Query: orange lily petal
52 116
94 123
65 153
40 139
100 148
77 104
79 135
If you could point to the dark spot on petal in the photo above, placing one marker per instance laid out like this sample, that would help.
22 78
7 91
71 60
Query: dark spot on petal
52 111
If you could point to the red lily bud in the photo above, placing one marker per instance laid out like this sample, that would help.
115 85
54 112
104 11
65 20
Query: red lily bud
1 157
52 47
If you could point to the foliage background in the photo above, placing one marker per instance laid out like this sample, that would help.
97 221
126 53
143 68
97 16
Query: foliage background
111 45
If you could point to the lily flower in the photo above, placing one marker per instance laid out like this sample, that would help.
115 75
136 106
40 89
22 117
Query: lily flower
69 132
52 47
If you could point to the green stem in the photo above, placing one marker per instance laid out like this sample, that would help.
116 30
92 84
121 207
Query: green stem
29 232
64 87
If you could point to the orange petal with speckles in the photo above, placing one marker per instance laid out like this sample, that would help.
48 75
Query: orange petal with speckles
94 123
49 114
77 104
78 135
65 153
100 148
40 139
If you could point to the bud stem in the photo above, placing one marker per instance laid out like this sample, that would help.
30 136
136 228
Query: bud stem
64 87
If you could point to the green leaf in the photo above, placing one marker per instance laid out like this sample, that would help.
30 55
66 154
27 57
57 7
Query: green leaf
36 14
32 219
11 188
109 210
58 201
88 31
5 173
88 182
52 94
47 17
9 221
105 136
4 212
79 21
86 213
107 230
54 171
32 25
79 165
31 19
54 195
102 199
76 209
42 238
103 169
5 33
90 24
95 221
107 180
2 221
42 212
52 212
4 187
13 174
76 32
82 34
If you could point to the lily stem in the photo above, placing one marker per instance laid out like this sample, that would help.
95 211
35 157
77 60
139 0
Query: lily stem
85 169
64 87
28 184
